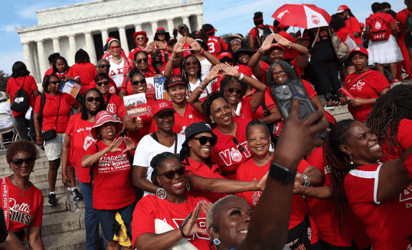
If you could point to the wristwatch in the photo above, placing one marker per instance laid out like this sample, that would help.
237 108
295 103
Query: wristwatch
281 174
306 182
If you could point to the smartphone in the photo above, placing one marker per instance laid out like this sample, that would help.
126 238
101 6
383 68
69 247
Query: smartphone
283 94
3 229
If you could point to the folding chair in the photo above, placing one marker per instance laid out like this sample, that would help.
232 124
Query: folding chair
13 128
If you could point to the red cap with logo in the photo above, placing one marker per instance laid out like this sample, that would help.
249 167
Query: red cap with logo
161 106
361 50
342 8
222 55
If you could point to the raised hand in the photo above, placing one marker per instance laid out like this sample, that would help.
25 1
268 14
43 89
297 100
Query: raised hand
160 45
281 40
191 227
206 205
149 47
129 144
229 70
267 44
194 45
178 48
262 182
213 73
114 146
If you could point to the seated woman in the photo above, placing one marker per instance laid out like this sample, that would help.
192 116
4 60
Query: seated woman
112 186
204 178
162 140
159 220
21 156
233 86
369 195
365 85
230 222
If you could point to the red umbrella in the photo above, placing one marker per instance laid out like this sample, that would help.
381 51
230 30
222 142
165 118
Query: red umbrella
305 16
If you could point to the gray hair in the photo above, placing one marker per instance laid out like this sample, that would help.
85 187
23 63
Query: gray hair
211 214
285 66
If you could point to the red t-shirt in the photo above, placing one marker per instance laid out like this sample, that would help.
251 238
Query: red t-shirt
226 153
51 107
87 73
249 171
386 17
387 224
134 51
404 139
190 116
48 72
24 211
113 88
150 208
353 25
79 132
129 89
112 184
246 113
115 106
215 45
368 87
14 84
401 18
71 72
323 211
343 34
203 170
266 66
269 103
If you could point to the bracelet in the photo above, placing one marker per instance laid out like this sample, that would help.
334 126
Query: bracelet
241 76
306 182
261 51
200 88
183 234
172 59
202 52
63 173
290 45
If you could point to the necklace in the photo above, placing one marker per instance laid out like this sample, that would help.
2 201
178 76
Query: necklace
24 189
266 162
118 61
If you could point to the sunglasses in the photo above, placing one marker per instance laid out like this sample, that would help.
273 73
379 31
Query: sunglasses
139 82
171 174
231 90
54 82
102 83
190 63
139 61
204 139
102 66
239 146
19 161
115 47
91 99
140 38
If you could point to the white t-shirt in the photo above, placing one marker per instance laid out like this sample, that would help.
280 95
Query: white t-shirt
193 86
5 108
116 72
206 66
148 148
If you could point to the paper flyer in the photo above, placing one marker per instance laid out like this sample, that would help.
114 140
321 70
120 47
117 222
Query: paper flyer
71 88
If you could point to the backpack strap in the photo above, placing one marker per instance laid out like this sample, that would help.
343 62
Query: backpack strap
359 77
42 103
91 172
108 99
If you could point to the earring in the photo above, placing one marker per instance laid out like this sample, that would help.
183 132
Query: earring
187 186
212 121
216 241
161 193
350 159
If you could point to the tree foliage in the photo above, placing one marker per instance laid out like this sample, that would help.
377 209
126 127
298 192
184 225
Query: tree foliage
3 80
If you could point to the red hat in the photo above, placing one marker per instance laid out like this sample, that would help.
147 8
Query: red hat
161 106
222 55
362 25
111 39
104 117
176 80
342 8
361 50
143 33
277 45
289 53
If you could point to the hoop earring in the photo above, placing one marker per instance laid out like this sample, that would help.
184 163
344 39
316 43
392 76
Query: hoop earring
161 193
187 186
216 241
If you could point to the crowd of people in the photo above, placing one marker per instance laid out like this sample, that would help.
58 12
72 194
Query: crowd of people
216 166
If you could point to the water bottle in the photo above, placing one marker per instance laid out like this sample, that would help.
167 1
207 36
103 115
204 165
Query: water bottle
75 204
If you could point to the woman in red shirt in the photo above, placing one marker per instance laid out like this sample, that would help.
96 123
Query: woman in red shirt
64 71
21 78
140 39
52 110
24 206
85 69
372 196
112 184
114 103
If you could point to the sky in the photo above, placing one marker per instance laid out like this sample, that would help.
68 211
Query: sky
227 16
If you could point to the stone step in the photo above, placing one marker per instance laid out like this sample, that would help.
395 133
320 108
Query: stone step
68 241
59 189
63 222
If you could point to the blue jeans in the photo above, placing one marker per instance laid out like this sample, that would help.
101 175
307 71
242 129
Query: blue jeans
90 218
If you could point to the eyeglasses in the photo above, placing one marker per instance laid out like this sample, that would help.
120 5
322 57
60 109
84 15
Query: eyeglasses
115 47
140 38
139 82
239 146
54 82
171 174
190 63
279 73
91 99
204 139
102 83
231 90
19 161
102 66
139 61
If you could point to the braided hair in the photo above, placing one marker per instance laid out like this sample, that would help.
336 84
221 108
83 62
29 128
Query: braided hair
206 105
387 113
157 162
338 162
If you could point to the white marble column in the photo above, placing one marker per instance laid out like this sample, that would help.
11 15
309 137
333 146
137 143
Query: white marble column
186 21
199 19
72 46
154 27
28 59
170 26
123 39
42 59
36 73
56 44
90 47
138 27
105 35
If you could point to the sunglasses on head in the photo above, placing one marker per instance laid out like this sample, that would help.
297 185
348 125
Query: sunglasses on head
102 66
239 146
115 47
102 83
54 82
139 82
19 161
231 90
91 99
171 174
139 61
204 139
